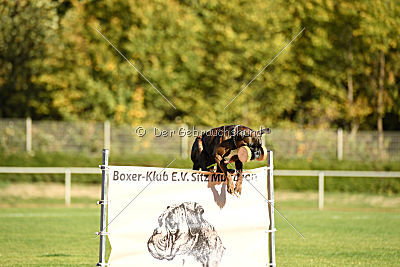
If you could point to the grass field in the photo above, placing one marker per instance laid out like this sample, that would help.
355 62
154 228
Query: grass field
355 229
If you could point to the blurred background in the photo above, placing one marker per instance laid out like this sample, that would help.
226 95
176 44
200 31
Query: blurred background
342 72
331 98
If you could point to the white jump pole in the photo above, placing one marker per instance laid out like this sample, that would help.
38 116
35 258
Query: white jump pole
107 135
103 202
271 229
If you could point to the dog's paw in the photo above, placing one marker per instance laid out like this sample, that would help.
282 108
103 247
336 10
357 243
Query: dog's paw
238 190
230 188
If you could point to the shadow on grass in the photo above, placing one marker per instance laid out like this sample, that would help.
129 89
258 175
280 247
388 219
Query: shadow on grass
56 255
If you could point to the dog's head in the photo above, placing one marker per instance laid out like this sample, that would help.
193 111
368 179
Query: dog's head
252 139
178 231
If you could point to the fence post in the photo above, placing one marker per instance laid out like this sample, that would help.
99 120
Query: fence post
340 144
184 141
28 135
67 187
321 190
107 135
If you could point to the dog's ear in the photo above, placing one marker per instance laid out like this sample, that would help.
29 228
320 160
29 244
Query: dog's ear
194 206
194 218
198 208
265 131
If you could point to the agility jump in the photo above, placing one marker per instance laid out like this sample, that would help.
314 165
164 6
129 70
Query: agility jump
178 217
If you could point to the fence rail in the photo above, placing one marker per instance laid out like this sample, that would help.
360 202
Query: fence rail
18 135
321 174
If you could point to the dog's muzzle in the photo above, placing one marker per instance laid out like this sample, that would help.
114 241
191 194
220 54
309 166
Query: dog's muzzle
247 154
255 154
159 245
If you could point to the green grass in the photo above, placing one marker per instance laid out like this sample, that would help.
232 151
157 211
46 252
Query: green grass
355 229
339 238
19 201
49 236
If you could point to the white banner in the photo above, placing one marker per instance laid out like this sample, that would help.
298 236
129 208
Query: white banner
186 218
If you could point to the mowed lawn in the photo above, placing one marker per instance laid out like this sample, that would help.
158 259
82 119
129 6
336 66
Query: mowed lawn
353 230
48 236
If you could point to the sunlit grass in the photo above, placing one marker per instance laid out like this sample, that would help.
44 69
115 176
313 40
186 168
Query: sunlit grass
354 229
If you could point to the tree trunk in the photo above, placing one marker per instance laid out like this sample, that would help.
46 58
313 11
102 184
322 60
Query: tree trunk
354 122
350 93
380 107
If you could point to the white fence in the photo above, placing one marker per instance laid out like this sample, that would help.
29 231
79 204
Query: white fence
67 171
321 174
17 135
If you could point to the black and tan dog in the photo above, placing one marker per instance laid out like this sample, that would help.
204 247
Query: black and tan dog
216 145
183 232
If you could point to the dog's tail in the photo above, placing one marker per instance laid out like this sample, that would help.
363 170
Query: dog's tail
200 143
197 145
197 149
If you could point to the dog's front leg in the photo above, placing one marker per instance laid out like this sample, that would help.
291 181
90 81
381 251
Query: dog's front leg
239 170
222 165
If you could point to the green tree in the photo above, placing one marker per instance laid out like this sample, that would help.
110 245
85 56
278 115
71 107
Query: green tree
343 71
342 61
27 29
198 55
380 33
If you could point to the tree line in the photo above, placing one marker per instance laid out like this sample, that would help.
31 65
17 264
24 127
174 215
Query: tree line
341 71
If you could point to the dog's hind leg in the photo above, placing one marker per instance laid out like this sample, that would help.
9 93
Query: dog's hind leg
239 169
221 164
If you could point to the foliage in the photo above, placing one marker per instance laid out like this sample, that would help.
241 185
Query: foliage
342 71
28 30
